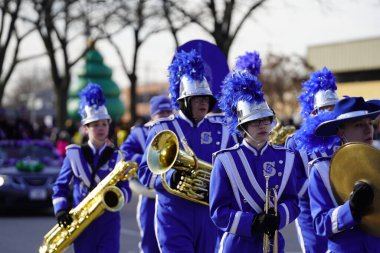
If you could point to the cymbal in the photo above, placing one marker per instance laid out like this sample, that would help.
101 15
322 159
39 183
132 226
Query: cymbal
353 162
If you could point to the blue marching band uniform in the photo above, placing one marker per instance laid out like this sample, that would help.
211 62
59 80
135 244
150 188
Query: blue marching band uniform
183 225
235 220
238 185
83 168
134 147
318 94
339 222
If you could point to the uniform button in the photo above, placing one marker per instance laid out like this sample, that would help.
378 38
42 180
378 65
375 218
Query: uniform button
281 161
245 201
276 187
219 132
279 174
217 143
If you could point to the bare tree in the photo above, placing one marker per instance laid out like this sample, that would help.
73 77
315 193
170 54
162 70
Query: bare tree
60 23
11 30
217 18
282 77
28 83
144 18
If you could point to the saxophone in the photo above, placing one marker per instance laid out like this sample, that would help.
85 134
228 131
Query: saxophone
101 198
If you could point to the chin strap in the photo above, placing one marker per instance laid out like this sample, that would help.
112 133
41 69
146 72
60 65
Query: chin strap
344 139
253 139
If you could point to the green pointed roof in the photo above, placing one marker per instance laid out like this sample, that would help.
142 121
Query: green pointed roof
95 71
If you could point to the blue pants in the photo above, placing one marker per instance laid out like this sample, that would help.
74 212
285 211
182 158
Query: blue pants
101 236
184 226
309 241
145 219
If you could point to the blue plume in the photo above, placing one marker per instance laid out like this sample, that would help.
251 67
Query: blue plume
307 141
250 61
319 80
238 86
184 63
91 95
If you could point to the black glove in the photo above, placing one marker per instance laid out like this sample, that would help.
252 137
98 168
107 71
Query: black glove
360 199
64 218
266 223
273 222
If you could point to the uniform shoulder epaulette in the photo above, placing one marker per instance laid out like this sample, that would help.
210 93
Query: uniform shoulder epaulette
160 120
279 147
236 146
213 119
137 126
73 146
319 159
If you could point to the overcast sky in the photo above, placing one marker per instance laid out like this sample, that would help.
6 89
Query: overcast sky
286 27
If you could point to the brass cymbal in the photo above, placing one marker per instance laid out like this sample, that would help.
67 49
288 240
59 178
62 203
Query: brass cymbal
353 162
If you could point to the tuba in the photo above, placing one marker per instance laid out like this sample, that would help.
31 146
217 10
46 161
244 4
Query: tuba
280 133
101 198
353 162
164 153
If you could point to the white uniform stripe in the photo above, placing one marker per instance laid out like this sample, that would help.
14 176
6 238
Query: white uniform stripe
233 185
59 200
236 222
155 223
305 161
286 213
221 244
287 171
251 177
303 188
239 182
225 137
152 180
323 171
300 236
76 163
138 210
179 131
334 220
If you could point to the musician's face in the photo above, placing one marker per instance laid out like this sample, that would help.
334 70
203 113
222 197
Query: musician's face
199 106
260 129
97 131
357 131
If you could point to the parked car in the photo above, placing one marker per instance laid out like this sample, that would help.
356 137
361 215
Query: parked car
28 169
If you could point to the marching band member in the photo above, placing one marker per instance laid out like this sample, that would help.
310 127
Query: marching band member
352 122
134 146
317 95
238 179
85 166
183 225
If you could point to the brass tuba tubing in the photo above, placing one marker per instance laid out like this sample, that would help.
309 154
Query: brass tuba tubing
164 153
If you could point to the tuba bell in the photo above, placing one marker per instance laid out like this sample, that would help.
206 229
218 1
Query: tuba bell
101 198
353 162
164 153
280 133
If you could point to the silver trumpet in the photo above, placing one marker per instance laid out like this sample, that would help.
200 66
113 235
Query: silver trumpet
268 194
